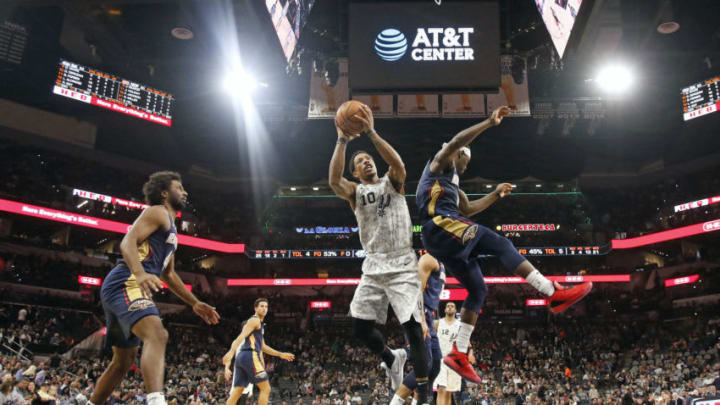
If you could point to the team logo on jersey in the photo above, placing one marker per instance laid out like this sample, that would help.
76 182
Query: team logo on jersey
384 203
141 304
469 234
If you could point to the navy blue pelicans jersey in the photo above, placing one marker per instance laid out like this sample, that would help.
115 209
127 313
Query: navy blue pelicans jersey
156 250
438 194
254 342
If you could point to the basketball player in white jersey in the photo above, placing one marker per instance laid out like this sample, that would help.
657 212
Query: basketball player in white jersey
390 267
448 381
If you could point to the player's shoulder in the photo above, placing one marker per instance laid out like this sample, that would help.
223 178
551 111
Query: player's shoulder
156 214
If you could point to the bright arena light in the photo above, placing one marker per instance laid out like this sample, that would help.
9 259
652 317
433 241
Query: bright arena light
238 82
615 79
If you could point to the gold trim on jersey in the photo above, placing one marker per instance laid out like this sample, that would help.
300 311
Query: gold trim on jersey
144 250
452 226
132 289
435 192
257 363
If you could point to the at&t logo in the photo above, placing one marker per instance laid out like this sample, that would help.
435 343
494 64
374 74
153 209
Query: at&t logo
390 45
429 44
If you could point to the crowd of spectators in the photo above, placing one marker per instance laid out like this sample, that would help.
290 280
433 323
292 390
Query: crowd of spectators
564 361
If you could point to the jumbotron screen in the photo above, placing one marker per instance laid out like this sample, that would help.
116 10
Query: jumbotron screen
288 18
410 47
559 18
108 91
701 98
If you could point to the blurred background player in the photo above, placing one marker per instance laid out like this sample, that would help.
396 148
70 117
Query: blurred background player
248 391
249 363
448 382
130 313
432 277
390 267
456 241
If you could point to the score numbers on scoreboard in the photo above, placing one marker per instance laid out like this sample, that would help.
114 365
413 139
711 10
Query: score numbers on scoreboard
108 91
701 98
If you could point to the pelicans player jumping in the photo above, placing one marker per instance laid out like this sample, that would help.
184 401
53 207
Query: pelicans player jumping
456 241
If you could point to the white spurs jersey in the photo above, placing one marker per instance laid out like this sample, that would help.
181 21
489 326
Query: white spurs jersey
383 218
447 333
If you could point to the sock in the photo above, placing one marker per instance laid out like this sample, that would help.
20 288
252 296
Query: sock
387 356
396 400
422 393
414 401
537 280
156 398
463 336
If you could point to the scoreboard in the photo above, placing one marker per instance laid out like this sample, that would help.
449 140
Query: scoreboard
701 98
113 93
296 254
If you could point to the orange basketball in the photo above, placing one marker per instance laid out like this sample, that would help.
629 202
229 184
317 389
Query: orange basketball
345 120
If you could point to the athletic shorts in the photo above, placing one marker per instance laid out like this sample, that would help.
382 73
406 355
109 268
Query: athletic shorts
447 378
124 305
397 284
249 369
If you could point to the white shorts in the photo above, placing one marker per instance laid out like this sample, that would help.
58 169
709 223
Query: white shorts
380 286
447 378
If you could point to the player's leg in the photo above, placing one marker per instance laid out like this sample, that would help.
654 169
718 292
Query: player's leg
368 306
470 276
403 290
443 397
235 394
264 387
122 360
152 364
489 241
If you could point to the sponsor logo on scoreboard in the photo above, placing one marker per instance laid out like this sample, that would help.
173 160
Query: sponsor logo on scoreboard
702 111
429 44
72 94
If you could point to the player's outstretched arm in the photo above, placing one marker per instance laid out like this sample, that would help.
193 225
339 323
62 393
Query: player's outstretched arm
176 285
342 187
272 352
387 152
471 208
442 159
152 219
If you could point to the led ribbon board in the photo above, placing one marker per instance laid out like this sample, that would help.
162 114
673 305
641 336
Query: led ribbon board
73 218
664 236
91 86
294 282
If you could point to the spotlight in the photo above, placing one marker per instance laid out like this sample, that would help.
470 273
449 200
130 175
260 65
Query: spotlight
614 79
239 82
293 188
316 188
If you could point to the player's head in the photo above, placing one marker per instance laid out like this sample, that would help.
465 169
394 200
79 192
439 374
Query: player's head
362 166
461 159
261 306
450 309
164 187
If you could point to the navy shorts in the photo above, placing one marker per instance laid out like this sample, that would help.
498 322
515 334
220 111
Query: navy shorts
249 369
457 242
124 304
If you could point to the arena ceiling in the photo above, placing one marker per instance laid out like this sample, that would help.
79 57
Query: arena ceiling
131 38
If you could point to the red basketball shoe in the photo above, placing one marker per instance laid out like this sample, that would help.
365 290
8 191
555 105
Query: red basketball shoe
564 297
459 363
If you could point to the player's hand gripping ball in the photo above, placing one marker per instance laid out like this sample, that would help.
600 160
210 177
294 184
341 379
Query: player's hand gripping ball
346 118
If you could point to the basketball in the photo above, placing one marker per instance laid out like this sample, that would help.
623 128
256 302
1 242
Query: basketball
345 117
